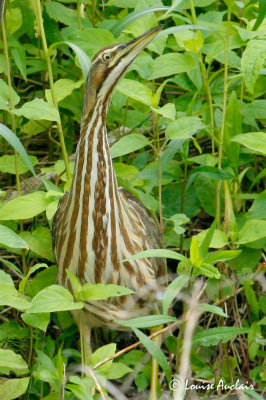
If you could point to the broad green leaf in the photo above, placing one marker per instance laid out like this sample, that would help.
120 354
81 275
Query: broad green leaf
209 172
136 90
258 208
10 239
148 321
12 139
128 144
213 336
255 141
252 230
12 361
252 62
62 88
167 111
127 172
178 220
204 307
4 96
32 128
219 239
40 242
61 13
39 321
171 64
183 128
261 15
172 291
9 296
194 44
179 28
223 255
13 19
132 17
24 207
53 298
155 351
161 253
101 354
117 370
38 109
13 388
8 165
209 270
99 291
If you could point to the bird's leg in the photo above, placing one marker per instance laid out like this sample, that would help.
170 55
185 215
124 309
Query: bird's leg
85 341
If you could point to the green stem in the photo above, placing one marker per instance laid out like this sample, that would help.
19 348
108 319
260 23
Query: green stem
13 125
204 76
221 132
51 83
183 200
158 151
79 15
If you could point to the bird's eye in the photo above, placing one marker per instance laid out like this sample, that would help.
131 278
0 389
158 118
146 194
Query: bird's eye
107 57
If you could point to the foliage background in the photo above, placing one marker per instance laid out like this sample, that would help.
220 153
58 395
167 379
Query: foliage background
190 147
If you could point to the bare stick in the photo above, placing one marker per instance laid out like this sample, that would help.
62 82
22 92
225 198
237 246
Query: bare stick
191 322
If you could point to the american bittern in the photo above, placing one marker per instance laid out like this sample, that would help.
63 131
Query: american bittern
98 224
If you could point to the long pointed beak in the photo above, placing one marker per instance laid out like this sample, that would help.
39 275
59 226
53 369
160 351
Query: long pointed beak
134 47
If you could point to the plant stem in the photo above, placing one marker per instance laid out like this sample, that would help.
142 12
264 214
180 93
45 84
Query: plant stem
204 75
158 151
79 15
14 128
221 132
51 83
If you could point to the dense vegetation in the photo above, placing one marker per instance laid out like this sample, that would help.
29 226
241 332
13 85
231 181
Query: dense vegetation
186 134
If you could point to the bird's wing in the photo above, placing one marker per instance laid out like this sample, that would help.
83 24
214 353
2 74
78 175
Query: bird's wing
153 233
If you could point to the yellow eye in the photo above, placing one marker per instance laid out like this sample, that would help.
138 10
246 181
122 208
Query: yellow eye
107 57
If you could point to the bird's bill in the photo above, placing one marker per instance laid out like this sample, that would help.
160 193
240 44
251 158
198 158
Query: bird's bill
135 46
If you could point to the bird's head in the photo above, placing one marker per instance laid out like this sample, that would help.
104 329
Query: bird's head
109 65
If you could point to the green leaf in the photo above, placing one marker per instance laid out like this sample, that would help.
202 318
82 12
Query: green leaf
12 361
40 242
4 96
13 19
155 351
134 16
205 243
183 128
117 370
99 291
148 321
10 239
13 388
12 139
213 336
171 64
61 13
39 321
195 257
209 270
172 291
178 220
209 172
223 255
53 298
253 229
252 301
62 88
136 90
167 111
33 269
255 141
128 144
161 253
24 207
219 239
252 62
9 296
101 354
261 15
38 109
8 165
204 307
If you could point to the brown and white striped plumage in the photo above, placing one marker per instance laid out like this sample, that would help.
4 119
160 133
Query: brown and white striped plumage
97 223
